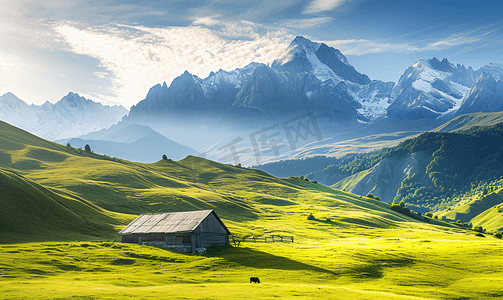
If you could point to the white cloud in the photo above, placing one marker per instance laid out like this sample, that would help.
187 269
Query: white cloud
139 57
208 21
317 6
100 75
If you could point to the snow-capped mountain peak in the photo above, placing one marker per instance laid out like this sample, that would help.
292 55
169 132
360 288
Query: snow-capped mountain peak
428 89
324 62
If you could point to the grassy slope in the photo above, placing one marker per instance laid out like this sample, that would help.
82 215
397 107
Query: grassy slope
244 198
366 251
30 212
465 122
363 144
490 219
480 211
350 181
414 264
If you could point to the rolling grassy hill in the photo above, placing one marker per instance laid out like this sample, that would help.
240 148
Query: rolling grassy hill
355 247
480 210
31 212
243 197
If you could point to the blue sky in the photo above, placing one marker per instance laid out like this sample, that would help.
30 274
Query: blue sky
114 51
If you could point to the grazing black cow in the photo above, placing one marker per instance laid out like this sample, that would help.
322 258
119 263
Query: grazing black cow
254 280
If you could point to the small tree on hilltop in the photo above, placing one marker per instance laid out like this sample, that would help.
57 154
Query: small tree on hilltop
370 195
87 148
164 157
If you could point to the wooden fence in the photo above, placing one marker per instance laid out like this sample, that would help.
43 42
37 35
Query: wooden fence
237 240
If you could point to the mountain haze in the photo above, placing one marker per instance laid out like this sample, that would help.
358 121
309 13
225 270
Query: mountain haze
132 142
71 116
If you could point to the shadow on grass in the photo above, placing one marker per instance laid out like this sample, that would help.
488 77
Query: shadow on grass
349 221
375 268
262 260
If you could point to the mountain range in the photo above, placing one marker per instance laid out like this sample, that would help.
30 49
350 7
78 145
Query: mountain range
308 78
71 116
313 77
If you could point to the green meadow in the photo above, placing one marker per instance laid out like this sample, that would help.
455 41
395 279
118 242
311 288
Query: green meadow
62 207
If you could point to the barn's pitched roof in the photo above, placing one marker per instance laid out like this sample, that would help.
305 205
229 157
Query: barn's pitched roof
175 222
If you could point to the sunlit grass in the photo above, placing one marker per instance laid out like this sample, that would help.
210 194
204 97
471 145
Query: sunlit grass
354 248
386 264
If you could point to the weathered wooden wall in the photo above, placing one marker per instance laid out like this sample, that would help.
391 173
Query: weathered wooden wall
209 232
210 225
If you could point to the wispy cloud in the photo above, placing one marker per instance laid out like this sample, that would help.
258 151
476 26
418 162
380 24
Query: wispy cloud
139 57
364 46
457 39
306 23
317 6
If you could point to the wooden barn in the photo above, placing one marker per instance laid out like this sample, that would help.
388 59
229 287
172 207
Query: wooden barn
182 231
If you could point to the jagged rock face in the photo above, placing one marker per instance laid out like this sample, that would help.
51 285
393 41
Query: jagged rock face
270 92
463 76
485 96
341 67
73 115
444 65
